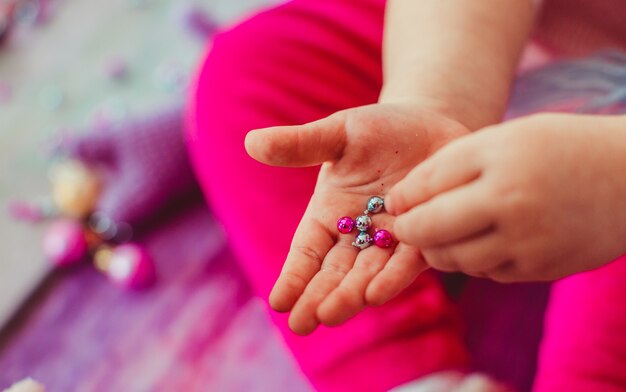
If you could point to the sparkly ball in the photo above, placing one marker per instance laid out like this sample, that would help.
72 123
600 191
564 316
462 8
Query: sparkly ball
362 241
130 266
363 223
64 243
345 225
375 204
383 239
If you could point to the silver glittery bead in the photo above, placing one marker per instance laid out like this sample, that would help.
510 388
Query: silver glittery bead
362 241
375 204
363 223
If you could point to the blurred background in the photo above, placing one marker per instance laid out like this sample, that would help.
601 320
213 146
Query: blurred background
114 275
143 295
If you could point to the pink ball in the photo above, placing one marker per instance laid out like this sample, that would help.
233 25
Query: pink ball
345 225
64 243
383 239
131 267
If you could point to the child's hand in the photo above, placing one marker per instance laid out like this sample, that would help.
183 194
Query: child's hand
538 198
364 152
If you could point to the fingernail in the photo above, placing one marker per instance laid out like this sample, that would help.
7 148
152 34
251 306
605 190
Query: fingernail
303 328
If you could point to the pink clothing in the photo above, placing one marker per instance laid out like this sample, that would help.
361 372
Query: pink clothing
297 63
290 65
584 343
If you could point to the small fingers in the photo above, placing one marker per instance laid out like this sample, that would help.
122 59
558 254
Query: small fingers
475 256
312 241
339 260
452 166
348 298
447 218
399 272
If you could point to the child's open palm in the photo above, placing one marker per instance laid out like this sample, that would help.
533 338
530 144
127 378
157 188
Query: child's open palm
363 151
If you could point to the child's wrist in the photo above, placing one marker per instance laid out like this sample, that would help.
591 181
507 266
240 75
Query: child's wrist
426 102
451 107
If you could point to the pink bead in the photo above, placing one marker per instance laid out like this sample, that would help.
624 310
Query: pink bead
383 239
64 243
345 225
131 267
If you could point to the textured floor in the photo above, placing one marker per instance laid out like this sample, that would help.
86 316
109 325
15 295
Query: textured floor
199 329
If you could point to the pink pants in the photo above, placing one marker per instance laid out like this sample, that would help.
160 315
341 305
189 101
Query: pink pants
297 63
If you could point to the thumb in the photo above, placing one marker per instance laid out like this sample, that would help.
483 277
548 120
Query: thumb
300 145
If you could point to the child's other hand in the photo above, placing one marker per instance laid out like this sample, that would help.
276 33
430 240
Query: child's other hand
538 198
363 152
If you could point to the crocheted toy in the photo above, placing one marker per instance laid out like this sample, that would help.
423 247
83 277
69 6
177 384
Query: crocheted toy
106 184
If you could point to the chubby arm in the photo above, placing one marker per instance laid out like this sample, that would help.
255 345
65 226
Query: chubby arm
459 54
448 67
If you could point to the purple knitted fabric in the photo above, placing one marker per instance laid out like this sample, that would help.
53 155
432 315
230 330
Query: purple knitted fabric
143 163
